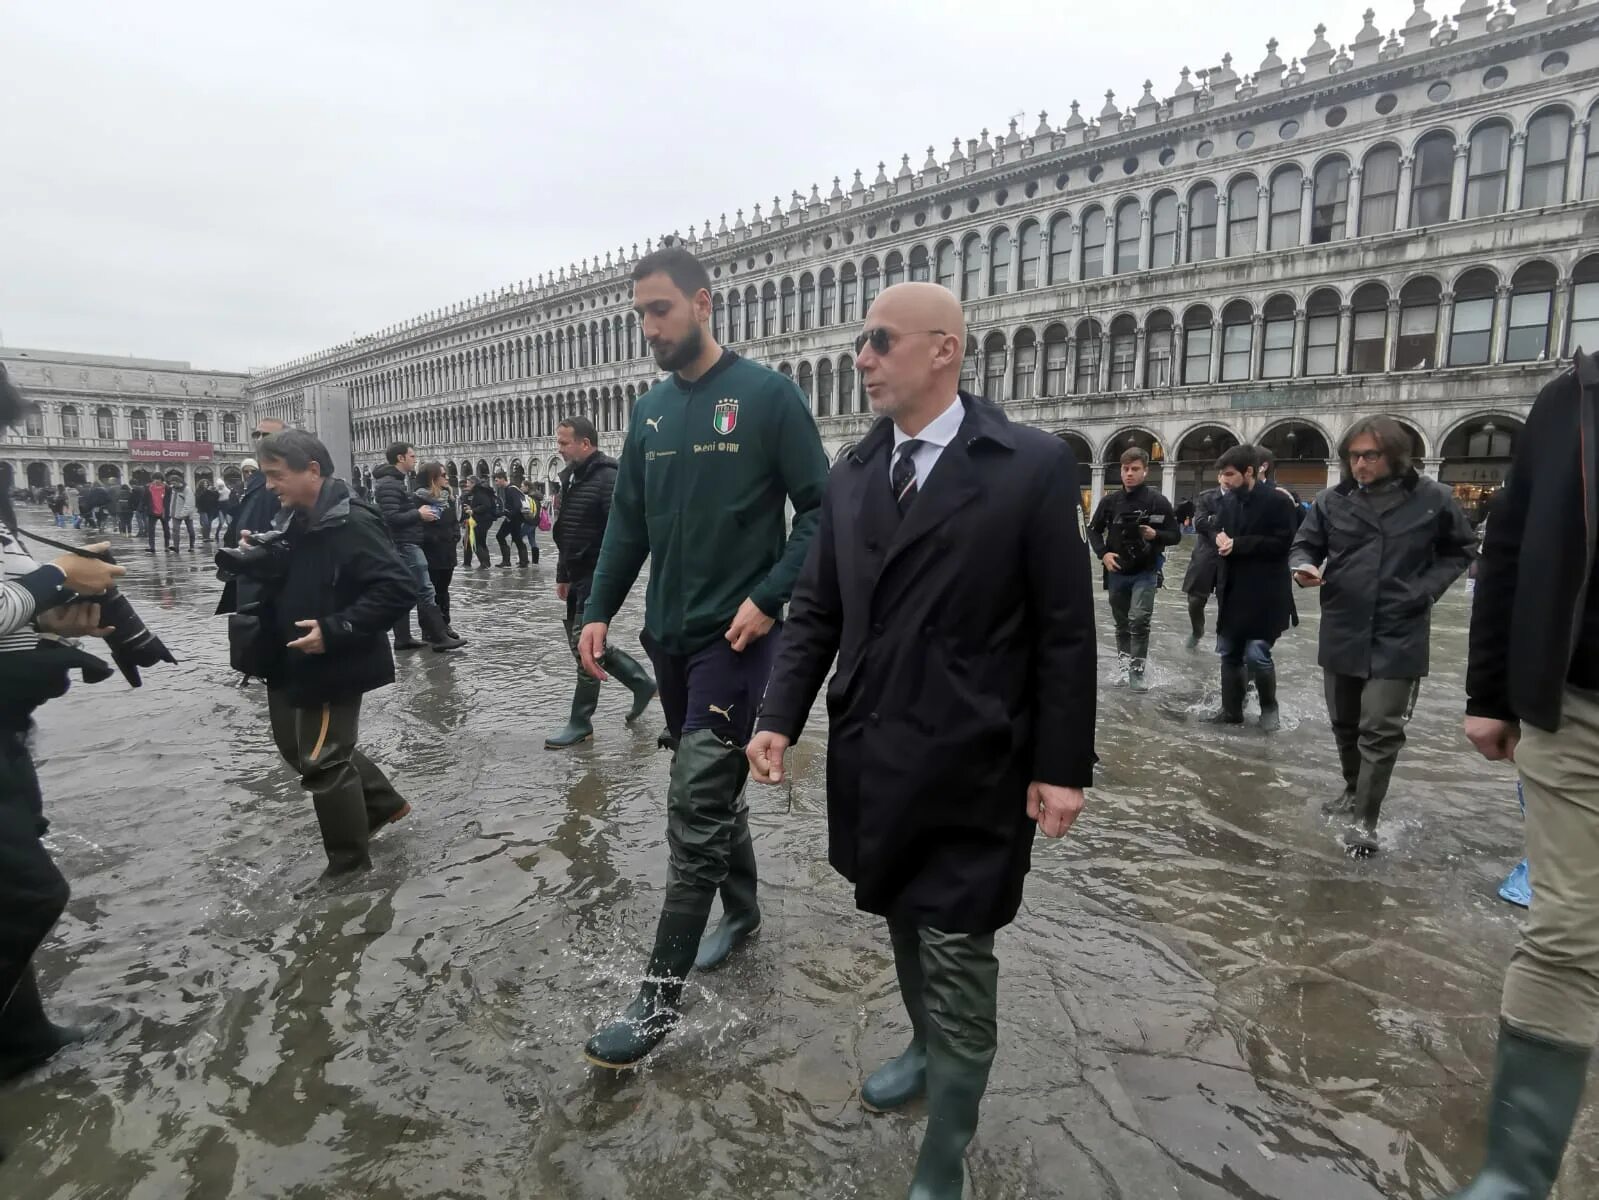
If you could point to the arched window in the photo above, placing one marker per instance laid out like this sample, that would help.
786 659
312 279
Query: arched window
969 367
138 425
1089 336
1548 146
994 367
1321 332
807 295
169 425
786 370
827 301
1056 354
1277 339
999 262
582 354
787 310
768 309
893 269
1157 349
105 425
1128 219
944 265
1031 244
1487 172
1163 226
1283 231
1379 191
1243 216
1202 223
805 382
718 319
1432 178
919 265
1471 335
1329 213
230 428
1532 298
1198 336
1025 371
1123 353
971 267
846 315
824 387
871 283
846 383
1237 341
1368 347
200 422
1585 305
735 315
1093 244
1060 249
1590 165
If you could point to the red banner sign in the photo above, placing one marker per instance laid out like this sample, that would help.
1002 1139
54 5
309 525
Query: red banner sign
144 451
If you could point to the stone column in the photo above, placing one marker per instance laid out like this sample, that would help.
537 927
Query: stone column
1138 360
1077 252
1044 250
1221 224
1390 345
1297 367
1352 222
1335 471
1177 340
1097 489
1429 467
1038 368
1215 348
1168 480
1144 235
1180 251
982 277
1577 160
1306 194
1500 334
1457 188
1346 326
1257 339
1559 319
1407 166
1518 171
1262 217
1446 326
1104 359
1013 279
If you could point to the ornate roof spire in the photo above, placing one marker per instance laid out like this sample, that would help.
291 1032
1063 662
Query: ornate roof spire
738 225
1043 129
1185 86
816 197
722 228
881 179
837 192
1271 61
955 154
932 163
985 144
905 171
1110 112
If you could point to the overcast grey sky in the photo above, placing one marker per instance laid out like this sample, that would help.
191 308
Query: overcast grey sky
237 187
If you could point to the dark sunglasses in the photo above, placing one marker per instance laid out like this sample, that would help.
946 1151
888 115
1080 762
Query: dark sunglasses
882 340
260 433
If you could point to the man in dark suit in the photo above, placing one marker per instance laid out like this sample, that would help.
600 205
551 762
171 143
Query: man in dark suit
950 579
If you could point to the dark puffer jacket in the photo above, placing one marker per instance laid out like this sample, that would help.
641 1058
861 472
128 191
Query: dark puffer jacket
586 489
400 510
440 538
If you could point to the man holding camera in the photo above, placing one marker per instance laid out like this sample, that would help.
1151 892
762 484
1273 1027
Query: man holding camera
1128 531
407 518
331 587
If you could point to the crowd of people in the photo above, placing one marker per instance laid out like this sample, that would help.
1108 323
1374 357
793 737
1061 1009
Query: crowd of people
937 581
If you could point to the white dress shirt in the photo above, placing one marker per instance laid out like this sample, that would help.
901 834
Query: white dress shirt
940 432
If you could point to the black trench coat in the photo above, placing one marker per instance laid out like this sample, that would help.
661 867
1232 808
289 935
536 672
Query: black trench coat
1255 590
964 635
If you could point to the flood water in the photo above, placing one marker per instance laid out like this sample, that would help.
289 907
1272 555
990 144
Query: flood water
1201 998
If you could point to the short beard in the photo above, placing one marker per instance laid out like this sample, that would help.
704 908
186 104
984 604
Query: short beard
682 353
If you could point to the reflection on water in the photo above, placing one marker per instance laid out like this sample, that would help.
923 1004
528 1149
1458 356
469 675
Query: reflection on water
1201 998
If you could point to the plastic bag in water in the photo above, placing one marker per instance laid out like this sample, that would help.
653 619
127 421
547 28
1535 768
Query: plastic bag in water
1518 887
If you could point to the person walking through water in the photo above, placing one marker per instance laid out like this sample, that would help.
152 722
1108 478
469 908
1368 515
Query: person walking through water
1129 533
513 503
439 537
589 480
1204 567
949 581
712 453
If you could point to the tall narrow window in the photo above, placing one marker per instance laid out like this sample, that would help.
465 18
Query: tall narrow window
1321 333
805 382
1369 342
807 294
1128 221
846 303
1123 353
1163 231
719 319
999 262
735 315
169 427
1056 354
944 265
1329 213
788 306
1471 337
768 310
1432 178
105 426
138 424
1094 243
1088 349
1548 145
1237 341
994 367
1032 247
871 283
1157 349
846 384
230 429
824 388
1285 188
919 265
969 367
1277 333
1532 296
33 423
1060 248
1243 216
1025 370
827 299
1585 306
1487 171
1198 336
1379 191
894 269
1202 223
1590 165
200 422
971 267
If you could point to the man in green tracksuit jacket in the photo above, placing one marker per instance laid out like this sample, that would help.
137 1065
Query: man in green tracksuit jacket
713 452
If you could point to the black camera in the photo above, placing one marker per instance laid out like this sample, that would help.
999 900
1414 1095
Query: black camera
1127 540
264 558
130 641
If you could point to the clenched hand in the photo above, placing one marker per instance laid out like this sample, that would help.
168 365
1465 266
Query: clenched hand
750 624
1054 808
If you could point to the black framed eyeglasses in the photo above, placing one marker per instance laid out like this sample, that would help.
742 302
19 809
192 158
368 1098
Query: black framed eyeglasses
1365 456
882 340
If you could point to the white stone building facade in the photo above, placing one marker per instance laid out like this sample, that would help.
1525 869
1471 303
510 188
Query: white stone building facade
1406 225
92 407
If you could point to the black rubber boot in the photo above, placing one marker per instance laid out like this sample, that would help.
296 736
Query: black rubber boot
28 1038
580 725
1370 791
903 1079
434 629
741 914
1136 678
1537 1091
1234 682
628 1040
1343 804
627 671
521 554
505 555
1266 688
404 639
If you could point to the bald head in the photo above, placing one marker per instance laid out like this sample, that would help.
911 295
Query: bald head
910 360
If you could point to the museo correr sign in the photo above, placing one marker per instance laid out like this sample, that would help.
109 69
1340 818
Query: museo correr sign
147 451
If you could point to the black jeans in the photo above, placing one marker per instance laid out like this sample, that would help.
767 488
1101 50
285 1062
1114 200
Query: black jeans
166 529
178 524
33 892
441 577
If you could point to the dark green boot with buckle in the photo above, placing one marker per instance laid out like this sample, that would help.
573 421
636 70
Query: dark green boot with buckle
628 1040
579 726
625 669
903 1079
741 915
1537 1092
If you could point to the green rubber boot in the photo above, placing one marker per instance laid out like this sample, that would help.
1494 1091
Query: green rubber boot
741 914
1266 689
580 726
903 1079
1537 1092
28 1038
627 671
628 1040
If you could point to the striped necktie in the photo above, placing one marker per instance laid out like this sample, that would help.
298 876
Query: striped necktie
903 476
